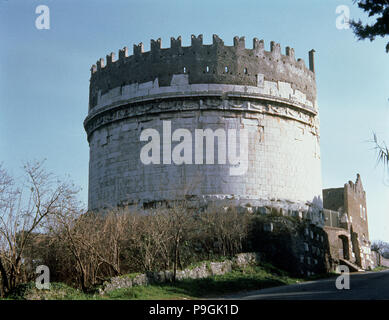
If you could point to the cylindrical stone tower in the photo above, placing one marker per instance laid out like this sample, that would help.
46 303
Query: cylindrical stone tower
205 123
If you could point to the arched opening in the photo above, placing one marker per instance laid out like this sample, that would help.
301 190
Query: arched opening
344 248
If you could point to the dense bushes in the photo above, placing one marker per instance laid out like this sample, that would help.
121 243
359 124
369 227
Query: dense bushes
42 223
86 249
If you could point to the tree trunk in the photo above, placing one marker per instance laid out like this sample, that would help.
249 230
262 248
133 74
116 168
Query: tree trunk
83 280
4 280
176 244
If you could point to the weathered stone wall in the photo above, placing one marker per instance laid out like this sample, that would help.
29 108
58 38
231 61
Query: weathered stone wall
350 201
215 63
203 270
355 199
379 260
293 244
282 164
336 237
271 95
334 199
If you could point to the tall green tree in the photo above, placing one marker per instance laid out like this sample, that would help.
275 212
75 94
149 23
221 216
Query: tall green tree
380 10
374 8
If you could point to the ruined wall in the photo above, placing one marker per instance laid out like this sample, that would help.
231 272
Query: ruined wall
339 245
292 244
215 86
334 199
355 202
379 260
201 271
350 202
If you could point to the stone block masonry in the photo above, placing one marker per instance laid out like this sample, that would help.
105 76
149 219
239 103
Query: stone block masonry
292 244
214 86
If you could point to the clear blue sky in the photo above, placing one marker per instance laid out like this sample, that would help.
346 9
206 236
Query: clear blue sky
44 76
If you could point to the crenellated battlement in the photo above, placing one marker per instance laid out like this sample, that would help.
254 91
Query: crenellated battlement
203 63
176 45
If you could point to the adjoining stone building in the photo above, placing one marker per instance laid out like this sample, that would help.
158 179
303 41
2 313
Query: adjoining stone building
347 226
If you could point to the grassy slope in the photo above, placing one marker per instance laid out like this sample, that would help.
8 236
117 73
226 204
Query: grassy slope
380 268
238 280
249 278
